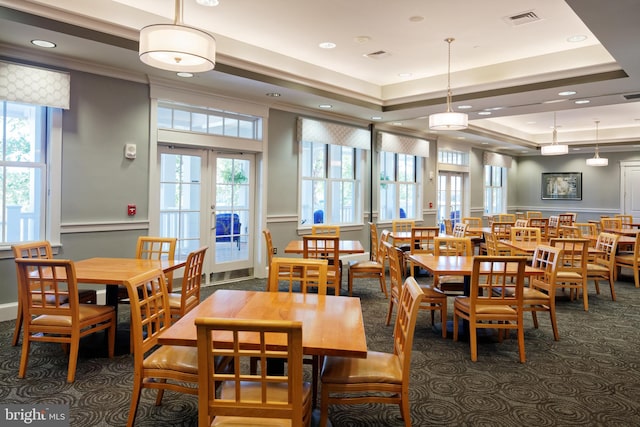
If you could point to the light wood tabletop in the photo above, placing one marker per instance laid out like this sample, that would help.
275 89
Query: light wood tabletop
344 247
530 247
331 325
115 271
456 265
632 232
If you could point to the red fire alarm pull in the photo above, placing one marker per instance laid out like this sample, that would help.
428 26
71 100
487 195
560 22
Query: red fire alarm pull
131 210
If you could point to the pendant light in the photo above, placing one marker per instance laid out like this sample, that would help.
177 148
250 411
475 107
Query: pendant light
177 47
596 160
554 149
450 120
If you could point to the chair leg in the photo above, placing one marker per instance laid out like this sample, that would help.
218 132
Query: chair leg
135 400
383 285
73 359
473 341
24 357
404 409
160 394
350 281
16 331
389 312
612 282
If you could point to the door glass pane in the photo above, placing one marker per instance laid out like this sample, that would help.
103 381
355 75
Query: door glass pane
180 200
232 209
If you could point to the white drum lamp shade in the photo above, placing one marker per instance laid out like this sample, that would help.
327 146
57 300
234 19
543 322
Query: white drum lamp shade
177 48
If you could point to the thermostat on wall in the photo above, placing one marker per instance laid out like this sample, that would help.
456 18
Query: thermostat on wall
130 151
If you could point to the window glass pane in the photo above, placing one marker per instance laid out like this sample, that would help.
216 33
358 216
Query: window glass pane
164 117
230 127
199 122
318 156
387 166
215 125
245 129
181 120
398 186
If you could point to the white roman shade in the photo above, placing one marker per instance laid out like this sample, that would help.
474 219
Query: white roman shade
393 143
332 133
35 86
495 159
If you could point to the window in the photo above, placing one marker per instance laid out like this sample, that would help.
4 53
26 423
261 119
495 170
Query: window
494 191
398 185
330 184
23 172
208 121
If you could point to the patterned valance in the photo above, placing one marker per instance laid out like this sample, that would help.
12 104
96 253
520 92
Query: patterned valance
392 143
495 159
332 133
35 86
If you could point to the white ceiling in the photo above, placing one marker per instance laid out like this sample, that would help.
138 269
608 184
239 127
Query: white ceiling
513 71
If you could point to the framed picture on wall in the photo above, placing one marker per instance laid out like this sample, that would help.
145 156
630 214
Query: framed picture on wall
562 186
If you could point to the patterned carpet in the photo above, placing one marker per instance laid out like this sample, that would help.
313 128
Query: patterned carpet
591 377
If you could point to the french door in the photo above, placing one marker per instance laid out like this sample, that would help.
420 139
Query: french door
450 197
206 198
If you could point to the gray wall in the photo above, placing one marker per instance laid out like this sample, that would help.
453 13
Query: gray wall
98 182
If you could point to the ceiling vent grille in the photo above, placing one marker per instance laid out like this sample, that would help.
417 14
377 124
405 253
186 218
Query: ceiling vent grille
378 54
522 18
632 96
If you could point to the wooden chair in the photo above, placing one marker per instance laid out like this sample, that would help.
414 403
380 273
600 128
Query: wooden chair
569 232
472 221
265 399
149 247
552 230
448 226
505 217
608 223
587 229
325 247
632 261
566 219
268 240
306 273
183 302
524 234
460 229
373 268
543 225
572 269
540 295
402 226
158 367
433 299
521 223
625 220
533 214
495 300
328 230
41 250
422 242
451 246
603 266
381 377
52 312
502 231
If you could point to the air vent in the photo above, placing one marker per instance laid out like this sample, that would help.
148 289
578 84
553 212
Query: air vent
632 96
378 54
521 18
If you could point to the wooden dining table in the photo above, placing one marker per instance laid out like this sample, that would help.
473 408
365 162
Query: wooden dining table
321 317
344 247
457 266
530 247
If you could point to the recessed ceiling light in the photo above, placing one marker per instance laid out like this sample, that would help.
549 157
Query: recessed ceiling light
405 75
582 101
493 109
326 106
575 149
416 18
567 93
327 45
531 123
553 101
208 2
461 137
273 94
397 123
484 113
464 107
577 38
376 118
362 39
184 74
485 143
43 43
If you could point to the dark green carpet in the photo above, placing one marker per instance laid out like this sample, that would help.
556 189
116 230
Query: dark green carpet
591 377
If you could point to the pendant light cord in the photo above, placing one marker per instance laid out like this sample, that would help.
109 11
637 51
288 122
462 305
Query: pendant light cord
449 41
